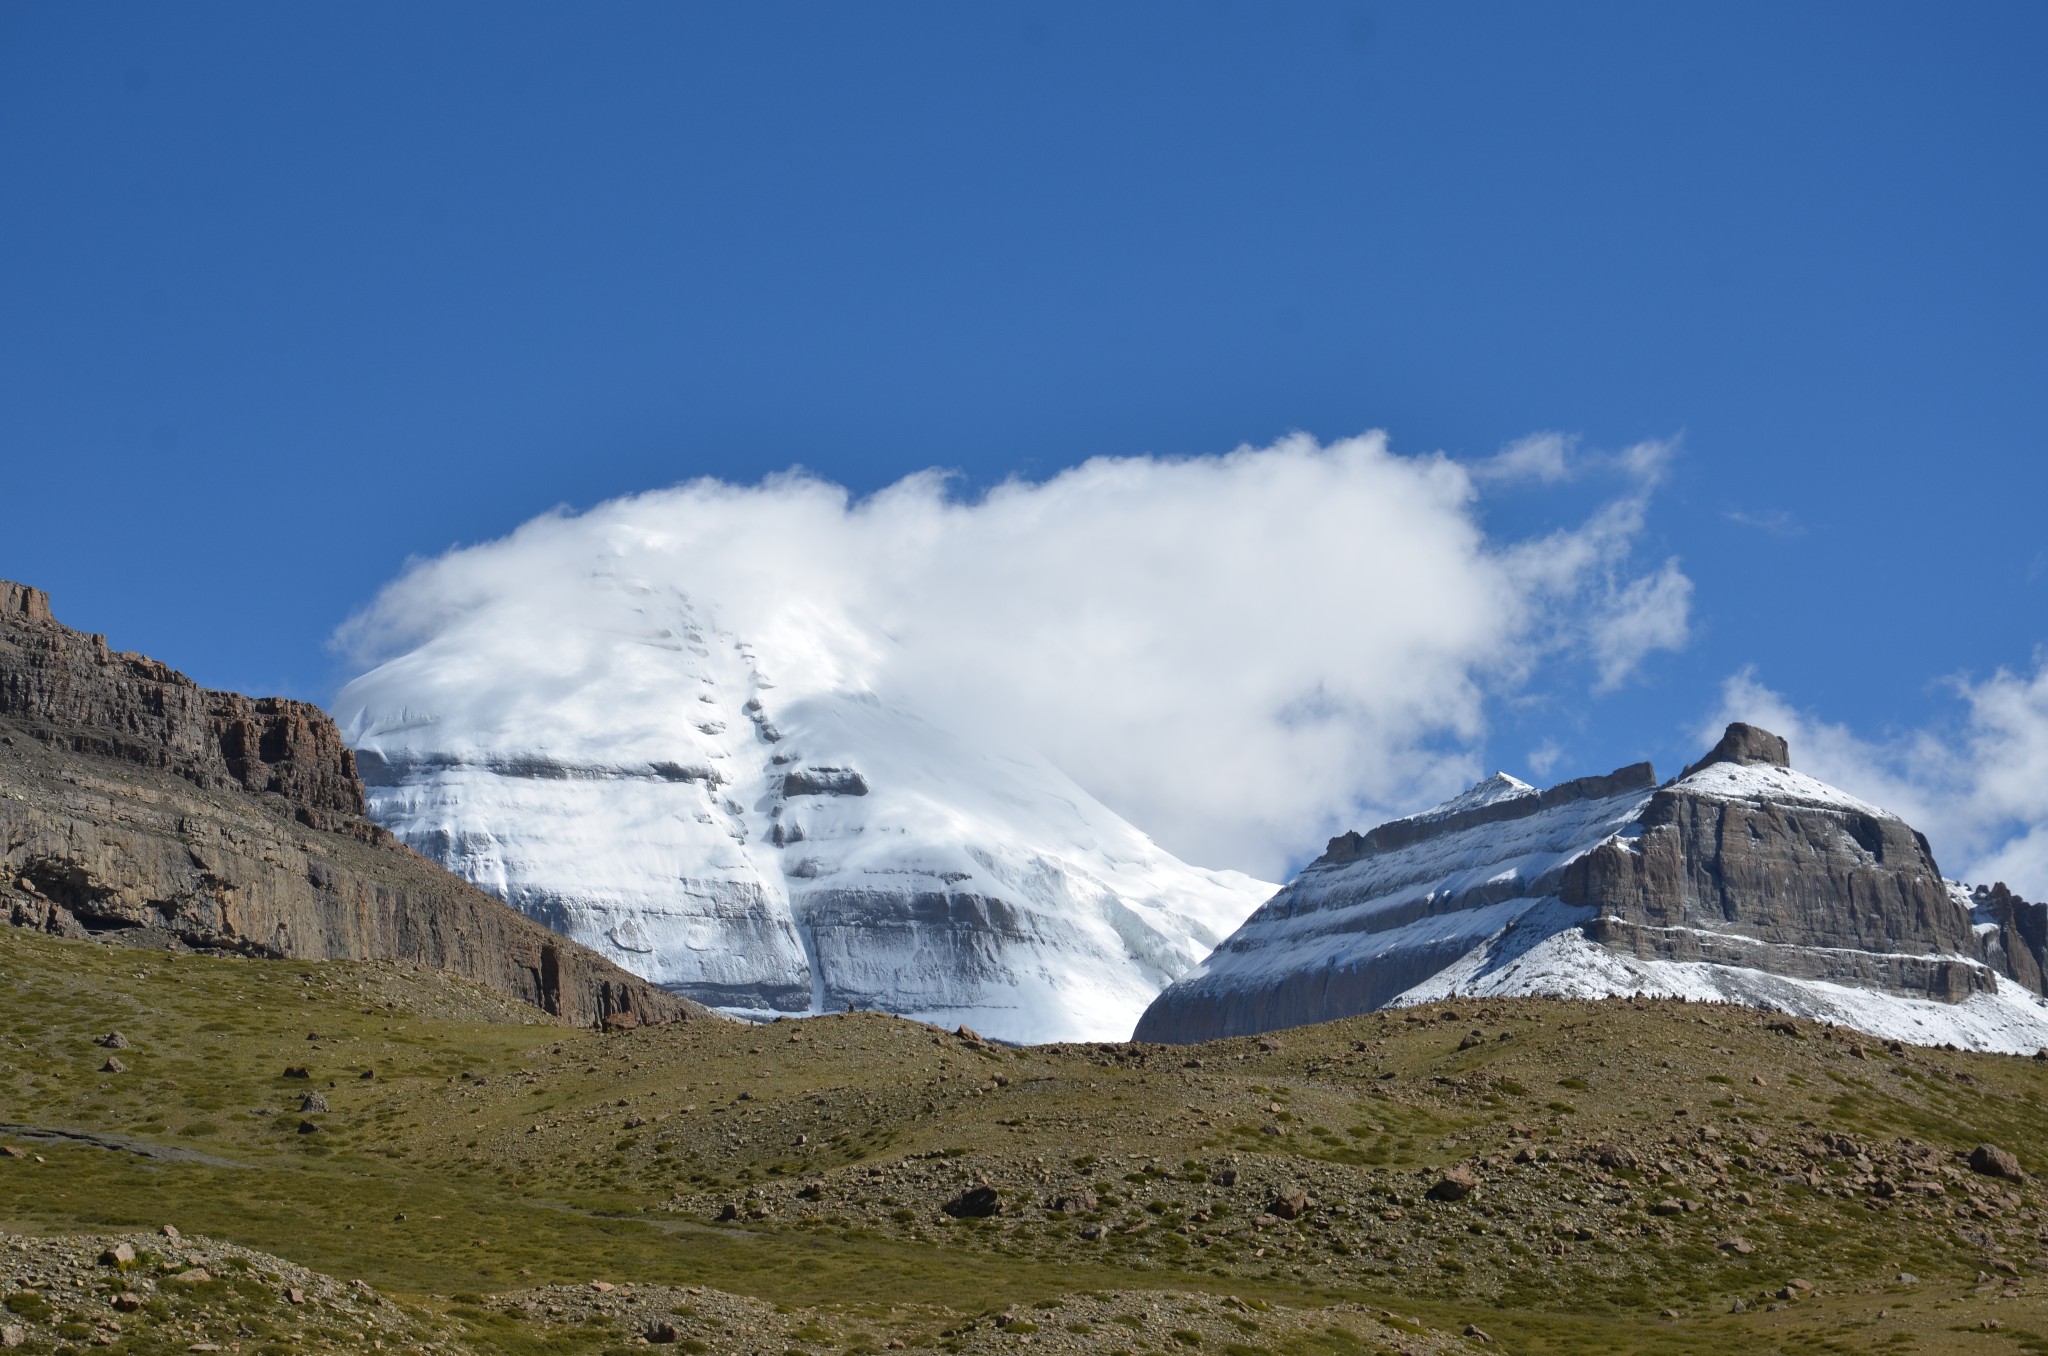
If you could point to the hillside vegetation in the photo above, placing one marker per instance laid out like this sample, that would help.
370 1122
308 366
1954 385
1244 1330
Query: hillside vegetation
1554 1176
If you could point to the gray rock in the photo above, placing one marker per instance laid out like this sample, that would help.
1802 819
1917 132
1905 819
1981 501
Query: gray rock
1992 1161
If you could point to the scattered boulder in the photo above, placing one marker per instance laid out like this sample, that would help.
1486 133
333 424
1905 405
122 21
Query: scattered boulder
621 1021
121 1255
113 1065
191 1276
1615 1158
1668 1206
662 1334
297 1071
977 1202
127 1301
170 1231
1289 1204
1992 1161
113 1040
308 1128
312 1102
1226 1177
1454 1185
1077 1202
13 1335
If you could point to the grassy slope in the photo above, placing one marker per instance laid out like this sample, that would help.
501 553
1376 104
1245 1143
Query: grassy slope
491 1155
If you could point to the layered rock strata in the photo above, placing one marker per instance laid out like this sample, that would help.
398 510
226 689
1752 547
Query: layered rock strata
1741 879
137 806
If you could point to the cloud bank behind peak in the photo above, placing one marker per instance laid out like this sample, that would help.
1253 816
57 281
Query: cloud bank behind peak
1239 653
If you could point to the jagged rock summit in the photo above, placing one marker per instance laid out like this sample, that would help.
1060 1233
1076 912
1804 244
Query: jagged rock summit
768 824
1741 880
137 806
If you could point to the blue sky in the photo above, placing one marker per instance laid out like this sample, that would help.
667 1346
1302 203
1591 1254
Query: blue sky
293 294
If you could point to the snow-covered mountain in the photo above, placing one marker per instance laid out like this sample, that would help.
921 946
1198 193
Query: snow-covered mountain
1740 881
750 824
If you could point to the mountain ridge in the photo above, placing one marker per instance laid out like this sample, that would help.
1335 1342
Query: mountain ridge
1740 879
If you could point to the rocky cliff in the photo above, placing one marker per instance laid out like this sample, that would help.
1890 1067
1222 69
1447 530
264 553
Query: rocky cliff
137 806
1741 880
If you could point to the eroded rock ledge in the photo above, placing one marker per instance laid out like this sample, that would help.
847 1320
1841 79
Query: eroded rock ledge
138 806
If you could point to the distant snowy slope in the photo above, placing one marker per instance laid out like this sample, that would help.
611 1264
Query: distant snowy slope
748 822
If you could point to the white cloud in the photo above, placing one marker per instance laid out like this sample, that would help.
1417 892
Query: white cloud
1240 653
1639 617
1978 787
1540 457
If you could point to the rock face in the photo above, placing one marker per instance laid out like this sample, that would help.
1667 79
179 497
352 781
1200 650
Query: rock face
766 830
138 806
1741 880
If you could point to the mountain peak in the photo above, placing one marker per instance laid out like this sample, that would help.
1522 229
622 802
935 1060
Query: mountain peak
1747 745
1489 791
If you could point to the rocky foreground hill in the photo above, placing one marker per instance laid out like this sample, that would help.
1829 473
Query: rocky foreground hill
1638 1176
1741 880
137 806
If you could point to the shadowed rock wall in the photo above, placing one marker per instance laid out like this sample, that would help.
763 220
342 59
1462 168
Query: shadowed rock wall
137 806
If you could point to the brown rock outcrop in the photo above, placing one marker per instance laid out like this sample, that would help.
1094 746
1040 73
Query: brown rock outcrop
137 806
1806 891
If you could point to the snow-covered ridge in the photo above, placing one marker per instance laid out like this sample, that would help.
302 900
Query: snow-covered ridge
1490 791
793 843
1759 782
1741 881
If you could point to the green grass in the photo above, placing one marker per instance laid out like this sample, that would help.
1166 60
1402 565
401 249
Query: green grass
491 1154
